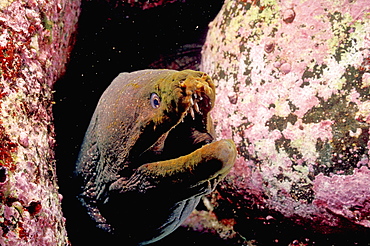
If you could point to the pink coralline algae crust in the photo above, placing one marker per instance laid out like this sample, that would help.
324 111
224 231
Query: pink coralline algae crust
35 40
345 195
293 92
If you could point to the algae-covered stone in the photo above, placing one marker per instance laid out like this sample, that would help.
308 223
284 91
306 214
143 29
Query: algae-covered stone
301 120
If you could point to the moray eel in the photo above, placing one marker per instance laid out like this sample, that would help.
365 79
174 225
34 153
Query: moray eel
149 153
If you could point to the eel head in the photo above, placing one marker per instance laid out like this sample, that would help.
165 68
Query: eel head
150 153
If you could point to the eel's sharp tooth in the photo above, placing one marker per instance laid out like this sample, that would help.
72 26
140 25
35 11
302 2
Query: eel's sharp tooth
192 113
191 101
196 107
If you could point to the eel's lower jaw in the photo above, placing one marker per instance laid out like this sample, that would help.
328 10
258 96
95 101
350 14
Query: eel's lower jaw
209 163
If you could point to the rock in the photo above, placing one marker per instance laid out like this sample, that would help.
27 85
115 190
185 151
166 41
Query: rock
302 115
36 38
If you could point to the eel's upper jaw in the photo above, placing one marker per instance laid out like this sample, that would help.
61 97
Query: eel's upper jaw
198 97
193 108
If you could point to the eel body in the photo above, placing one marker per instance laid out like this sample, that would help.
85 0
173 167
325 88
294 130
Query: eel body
149 153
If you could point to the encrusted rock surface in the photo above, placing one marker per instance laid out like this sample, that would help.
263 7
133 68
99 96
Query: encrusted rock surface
293 81
35 41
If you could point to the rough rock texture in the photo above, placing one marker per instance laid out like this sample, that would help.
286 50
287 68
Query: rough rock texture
295 81
35 40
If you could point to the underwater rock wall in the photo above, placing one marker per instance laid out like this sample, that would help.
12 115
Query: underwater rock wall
293 82
36 38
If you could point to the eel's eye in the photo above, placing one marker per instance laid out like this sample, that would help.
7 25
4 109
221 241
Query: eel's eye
155 101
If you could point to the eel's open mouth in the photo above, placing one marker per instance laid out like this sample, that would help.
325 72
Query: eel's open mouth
193 127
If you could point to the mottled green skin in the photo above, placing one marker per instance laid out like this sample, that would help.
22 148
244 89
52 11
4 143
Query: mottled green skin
143 169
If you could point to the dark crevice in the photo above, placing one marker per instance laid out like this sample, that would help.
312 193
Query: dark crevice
114 38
